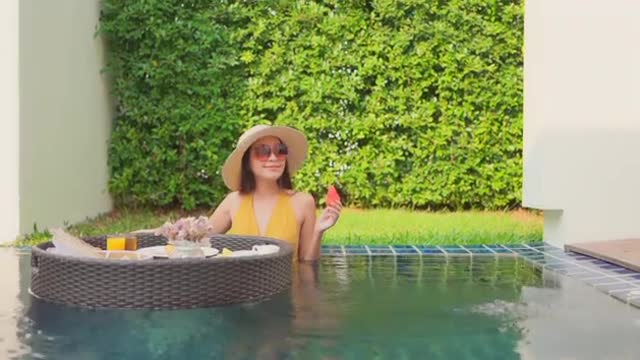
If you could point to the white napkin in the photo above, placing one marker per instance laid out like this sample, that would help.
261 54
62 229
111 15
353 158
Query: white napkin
257 250
265 249
67 244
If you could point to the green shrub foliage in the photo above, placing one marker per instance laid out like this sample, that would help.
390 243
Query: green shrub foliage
405 103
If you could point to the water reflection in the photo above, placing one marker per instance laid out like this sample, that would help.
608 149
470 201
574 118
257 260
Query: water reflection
385 307
12 285
268 330
576 323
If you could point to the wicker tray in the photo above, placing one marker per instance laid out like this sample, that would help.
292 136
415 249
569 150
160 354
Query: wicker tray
163 283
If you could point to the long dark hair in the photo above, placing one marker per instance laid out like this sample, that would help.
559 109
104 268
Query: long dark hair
248 180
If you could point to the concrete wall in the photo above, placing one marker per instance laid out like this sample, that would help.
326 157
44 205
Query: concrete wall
65 113
9 115
582 118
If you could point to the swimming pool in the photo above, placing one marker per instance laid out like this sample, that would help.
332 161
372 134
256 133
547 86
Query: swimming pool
346 307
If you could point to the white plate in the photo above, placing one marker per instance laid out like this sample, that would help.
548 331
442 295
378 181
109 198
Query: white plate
208 251
161 251
256 250
125 255
239 253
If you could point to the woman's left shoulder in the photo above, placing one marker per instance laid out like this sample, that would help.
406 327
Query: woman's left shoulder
301 199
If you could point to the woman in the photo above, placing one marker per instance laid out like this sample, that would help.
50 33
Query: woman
262 201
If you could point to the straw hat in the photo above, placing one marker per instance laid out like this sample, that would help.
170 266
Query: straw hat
294 139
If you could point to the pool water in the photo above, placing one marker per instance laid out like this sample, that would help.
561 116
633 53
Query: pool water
343 308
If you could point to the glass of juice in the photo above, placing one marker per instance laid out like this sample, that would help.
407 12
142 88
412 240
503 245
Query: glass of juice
131 243
116 243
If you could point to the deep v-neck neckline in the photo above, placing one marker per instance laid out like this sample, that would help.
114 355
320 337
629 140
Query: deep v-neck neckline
270 218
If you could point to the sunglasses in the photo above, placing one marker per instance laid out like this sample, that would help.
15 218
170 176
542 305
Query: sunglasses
262 152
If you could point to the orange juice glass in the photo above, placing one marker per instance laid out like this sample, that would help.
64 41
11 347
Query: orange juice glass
116 243
131 243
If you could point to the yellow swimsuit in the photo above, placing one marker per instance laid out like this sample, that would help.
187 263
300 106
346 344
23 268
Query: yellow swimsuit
282 224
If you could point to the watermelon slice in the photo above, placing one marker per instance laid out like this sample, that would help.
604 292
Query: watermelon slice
332 195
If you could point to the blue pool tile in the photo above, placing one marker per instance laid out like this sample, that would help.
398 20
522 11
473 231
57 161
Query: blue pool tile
380 250
404 250
478 249
557 263
623 271
542 261
562 268
608 266
524 250
527 252
537 244
535 256
548 249
332 249
602 281
355 250
517 246
560 255
499 249
552 249
596 263
576 256
456 250
430 250
616 286
588 274
581 273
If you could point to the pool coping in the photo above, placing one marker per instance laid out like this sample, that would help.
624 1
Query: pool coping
611 279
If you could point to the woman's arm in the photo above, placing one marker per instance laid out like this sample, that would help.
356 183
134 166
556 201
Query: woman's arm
221 217
310 239
313 229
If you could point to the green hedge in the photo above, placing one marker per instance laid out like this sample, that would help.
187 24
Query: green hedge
405 103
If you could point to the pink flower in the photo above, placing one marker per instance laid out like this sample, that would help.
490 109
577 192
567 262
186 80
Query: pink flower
189 228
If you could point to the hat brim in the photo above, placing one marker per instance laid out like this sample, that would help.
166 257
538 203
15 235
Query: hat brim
294 139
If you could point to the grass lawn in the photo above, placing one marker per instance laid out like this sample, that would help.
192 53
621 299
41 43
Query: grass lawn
358 227
414 227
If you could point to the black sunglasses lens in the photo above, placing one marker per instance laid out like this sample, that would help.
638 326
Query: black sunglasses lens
262 151
283 149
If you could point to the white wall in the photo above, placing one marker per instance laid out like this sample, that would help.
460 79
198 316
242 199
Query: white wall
9 115
66 113
582 118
